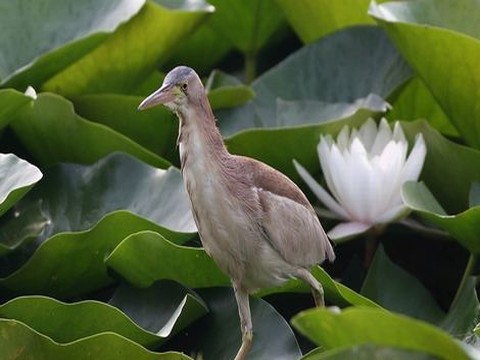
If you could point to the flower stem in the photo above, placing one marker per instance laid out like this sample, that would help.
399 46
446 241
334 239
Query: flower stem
371 244
466 274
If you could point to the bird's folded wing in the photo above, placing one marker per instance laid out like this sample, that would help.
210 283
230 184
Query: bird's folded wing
293 230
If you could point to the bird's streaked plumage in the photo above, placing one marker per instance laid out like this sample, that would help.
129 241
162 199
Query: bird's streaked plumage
253 221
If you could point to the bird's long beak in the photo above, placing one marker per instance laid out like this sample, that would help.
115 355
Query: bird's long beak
163 95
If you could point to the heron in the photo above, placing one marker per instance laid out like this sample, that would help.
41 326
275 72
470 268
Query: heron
254 221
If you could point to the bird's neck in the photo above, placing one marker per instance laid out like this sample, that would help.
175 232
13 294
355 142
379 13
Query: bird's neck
199 138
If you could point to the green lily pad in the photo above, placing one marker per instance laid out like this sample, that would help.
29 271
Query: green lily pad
315 73
273 338
463 226
134 51
10 102
452 189
392 294
202 50
52 318
441 41
366 352
464 314
117 182
357 326
27 224
149 316
17 177
415 102
163 259
16 336
165 308
247 24
53 132
155 129
52 34
313 19
225 91
72 264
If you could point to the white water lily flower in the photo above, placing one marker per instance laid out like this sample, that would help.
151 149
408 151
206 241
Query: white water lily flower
365 170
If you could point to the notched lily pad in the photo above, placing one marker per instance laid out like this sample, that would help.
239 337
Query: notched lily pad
333 329
15 336
164 309
146 257
463 226
54 34
437 37
53 132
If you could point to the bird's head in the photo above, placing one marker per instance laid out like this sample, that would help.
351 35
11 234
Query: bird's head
181 88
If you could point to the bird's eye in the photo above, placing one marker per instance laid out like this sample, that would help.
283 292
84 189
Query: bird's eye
184 87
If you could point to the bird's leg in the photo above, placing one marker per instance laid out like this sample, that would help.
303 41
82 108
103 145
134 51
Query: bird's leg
243 304
317 288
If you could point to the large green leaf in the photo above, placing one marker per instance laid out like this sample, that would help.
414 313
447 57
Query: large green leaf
90 205
313 19
18 341
441 40
17 177
272 339
117 182
149 316
164 308
41 38
53 132
464 314
10 102
405 295
415 102
462 226
367 352
358 326
458 165
72 264
121 62
24 226
65 323
163 259
247 24
155 130
202 50
315 73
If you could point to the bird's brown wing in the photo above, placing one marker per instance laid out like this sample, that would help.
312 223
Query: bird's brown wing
293 230
289 221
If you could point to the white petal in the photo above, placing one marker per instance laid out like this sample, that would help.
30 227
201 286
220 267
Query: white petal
342 138
389 167
347 230
319 191
367 133
324 154
393 214
358 173
383 138
398 134
413 166
341 185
